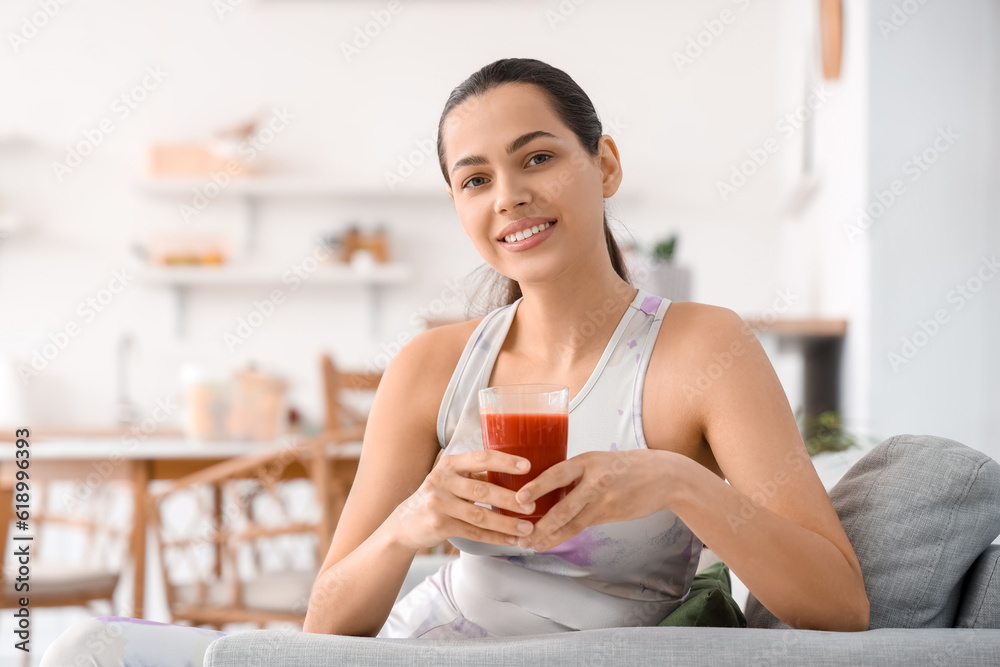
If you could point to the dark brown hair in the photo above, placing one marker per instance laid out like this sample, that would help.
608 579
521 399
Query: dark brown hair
574 109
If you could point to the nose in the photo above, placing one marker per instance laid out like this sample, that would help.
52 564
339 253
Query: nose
511 192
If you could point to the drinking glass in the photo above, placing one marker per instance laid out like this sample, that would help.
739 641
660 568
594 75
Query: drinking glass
528 420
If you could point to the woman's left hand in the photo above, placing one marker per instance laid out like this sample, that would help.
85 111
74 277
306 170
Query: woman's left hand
609 487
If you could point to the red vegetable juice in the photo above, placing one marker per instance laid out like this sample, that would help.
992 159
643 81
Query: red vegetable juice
540 438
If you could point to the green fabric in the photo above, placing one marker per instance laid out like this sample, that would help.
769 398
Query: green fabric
710 602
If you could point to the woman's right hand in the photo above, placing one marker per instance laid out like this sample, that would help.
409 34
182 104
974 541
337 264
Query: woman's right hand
444 504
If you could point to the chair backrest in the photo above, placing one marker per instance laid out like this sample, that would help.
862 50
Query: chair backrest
337 414
245 517
80 534
250 513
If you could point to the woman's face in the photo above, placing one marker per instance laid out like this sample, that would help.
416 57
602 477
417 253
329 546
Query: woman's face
514 165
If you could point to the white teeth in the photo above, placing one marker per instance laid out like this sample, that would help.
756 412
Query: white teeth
527 233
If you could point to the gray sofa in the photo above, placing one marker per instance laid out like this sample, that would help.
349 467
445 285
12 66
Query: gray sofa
921 512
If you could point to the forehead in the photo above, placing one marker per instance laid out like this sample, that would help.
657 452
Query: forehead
490 122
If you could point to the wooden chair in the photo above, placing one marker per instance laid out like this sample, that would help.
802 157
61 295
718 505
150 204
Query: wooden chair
79 547
262 523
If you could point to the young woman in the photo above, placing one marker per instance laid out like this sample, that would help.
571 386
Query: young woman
668 402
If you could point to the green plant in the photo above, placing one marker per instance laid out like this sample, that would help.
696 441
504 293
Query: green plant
826 434
664 250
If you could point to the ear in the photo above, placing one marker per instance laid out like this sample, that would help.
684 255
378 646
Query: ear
611 165
447 189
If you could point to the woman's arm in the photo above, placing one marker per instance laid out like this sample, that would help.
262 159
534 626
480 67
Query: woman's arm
773 524
365 566
398 504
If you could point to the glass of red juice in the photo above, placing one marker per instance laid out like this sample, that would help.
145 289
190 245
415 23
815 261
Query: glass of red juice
528 420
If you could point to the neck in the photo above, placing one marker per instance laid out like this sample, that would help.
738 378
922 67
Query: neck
568 319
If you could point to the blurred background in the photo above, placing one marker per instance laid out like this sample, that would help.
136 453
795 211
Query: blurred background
199 199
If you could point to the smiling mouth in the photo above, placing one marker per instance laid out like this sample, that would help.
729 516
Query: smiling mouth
527 233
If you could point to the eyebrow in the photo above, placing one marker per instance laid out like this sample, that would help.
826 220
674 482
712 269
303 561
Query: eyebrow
513 146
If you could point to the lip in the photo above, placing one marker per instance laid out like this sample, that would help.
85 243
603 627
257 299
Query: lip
521 225
530 242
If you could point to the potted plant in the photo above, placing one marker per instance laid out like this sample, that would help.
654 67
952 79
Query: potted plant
670 280
825 433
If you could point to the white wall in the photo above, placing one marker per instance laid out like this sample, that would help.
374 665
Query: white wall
680 130
938 70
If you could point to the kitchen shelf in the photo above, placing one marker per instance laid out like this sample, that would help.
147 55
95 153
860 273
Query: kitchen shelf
392 273
251 189
283 186
801 328
180 278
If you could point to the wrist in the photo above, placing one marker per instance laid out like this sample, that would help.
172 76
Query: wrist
392 535
673 471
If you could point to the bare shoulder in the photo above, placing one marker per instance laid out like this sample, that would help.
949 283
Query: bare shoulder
429 359
692 333
686 317
692 337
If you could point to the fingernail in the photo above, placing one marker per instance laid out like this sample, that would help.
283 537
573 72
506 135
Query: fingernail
526 509
523 497
524 543
523 465
524 527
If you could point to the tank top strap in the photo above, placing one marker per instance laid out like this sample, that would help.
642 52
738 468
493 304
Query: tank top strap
479 354
657 307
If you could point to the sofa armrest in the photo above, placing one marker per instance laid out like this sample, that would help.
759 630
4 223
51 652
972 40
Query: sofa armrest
667 646
981 592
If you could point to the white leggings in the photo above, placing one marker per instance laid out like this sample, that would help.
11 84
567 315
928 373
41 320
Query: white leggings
115 641
427 611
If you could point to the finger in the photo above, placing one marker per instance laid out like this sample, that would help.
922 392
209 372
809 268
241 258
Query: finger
481 491
487 459
471 532
566 518
479 519
560 475
568 531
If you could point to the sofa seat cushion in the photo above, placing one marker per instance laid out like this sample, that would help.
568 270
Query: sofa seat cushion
980 606
683 647
54 581
918 510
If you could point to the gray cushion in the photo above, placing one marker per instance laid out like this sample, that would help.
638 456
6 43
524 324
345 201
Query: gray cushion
617 646
981 593
918 509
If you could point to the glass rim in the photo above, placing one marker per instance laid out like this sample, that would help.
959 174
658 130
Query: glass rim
527 389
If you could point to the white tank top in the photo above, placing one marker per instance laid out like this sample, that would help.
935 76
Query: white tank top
609 575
